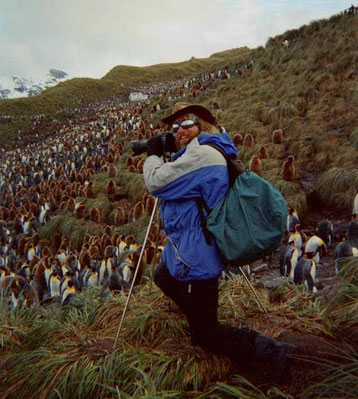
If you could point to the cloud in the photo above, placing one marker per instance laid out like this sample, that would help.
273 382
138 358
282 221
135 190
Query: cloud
88 37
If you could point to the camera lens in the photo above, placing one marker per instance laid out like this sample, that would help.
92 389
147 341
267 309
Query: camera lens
138 147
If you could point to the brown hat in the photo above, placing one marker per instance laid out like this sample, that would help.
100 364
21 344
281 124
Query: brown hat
195 109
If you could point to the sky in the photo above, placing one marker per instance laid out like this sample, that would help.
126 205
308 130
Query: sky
87 38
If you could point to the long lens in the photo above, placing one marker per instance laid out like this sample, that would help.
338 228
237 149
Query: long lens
138 147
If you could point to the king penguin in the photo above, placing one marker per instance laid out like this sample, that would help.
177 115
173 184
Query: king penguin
288 260
296 239
305 272
54 285
315 245
69 293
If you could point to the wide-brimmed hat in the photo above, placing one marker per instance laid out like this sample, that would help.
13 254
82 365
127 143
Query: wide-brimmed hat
195 109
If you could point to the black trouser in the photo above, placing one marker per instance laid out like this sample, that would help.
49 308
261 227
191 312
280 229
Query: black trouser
198 300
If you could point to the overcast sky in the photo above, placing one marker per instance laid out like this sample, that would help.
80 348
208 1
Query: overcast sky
86 38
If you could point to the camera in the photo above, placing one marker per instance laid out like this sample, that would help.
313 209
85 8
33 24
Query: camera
138 146
167 141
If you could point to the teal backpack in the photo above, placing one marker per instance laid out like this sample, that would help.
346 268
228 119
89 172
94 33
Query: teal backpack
249 222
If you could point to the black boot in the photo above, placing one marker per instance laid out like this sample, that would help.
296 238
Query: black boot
279 354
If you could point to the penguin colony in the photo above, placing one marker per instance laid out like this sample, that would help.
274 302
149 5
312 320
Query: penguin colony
302 256
53 169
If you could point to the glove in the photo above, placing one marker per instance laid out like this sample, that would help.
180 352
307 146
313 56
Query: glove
155 146
169 140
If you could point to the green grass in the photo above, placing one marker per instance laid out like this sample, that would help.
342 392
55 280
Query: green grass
65 352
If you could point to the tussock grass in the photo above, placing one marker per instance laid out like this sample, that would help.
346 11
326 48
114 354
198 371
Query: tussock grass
337 186
68 351
240 388
340 310
69 226
341 383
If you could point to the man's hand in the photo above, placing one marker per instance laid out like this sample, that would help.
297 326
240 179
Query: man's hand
155 146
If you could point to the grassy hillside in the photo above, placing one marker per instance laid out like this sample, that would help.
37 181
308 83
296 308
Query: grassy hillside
68 352
118 82
309 90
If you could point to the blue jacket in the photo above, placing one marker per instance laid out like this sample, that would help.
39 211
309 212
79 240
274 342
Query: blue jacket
197 170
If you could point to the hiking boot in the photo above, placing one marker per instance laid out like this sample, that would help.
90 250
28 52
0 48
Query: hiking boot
279 354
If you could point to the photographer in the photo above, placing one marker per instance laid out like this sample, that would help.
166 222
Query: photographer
190 266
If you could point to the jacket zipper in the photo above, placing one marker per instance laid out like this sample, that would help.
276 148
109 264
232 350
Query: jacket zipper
178 257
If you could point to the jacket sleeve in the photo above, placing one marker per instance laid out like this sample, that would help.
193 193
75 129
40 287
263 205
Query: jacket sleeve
185 177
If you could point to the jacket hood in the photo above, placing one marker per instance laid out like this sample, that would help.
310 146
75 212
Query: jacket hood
221 140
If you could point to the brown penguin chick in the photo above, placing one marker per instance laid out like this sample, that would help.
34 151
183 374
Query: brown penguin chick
81 211
132 169
114 238
21 245
106 241
95 214
73 176
64 198
129 161
119 216
84 258
130 239
110 188
108 230
216 105
136 160
154 231
237 139
56 241
288 169
71 204
112 171
12 213
34 209
6 213
39 272
46 251
149 204
240 163
150 252
255 165
263 153
140 165
141 266
34 261
94 251
138 210
108 251
110 157
89 190
248 140
277 136
17 225
64 244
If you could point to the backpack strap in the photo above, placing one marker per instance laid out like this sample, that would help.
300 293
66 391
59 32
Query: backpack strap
233 168
201 205
234 171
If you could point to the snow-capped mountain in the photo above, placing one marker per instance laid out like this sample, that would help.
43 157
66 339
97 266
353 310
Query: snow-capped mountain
15 87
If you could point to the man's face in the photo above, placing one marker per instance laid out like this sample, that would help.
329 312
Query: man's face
184 135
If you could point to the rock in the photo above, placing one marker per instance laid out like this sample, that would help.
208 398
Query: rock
273 282
261 268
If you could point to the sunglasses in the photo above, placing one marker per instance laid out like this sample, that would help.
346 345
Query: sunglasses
185 124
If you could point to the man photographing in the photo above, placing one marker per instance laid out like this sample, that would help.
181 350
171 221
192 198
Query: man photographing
191 265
